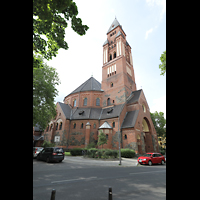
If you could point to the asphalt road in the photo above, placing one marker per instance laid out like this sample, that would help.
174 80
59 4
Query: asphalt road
79 178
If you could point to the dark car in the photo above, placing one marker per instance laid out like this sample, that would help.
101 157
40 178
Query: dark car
49 154
151 158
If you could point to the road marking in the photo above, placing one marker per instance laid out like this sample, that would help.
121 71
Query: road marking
148 172
73 179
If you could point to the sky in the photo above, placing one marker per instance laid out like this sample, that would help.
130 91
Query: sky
144 22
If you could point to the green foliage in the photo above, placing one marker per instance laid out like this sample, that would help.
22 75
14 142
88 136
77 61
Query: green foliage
101 153
159 123
162 66
102 139
50 19
91 145
127 153
47 144
76 152
45 80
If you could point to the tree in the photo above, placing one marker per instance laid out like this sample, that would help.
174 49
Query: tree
49 22
162 66
159 123
45 79
102 139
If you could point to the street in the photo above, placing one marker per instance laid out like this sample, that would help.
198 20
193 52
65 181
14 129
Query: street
79 178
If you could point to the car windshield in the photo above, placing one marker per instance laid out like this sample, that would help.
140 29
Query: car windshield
147 155
58 150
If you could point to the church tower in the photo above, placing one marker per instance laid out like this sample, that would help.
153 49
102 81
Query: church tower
118 79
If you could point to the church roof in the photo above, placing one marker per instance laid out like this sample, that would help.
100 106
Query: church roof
90 85
105 125
130 119
114 25
119 33
66 109
106 42
135 95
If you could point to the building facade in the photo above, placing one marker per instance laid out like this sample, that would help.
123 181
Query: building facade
114 106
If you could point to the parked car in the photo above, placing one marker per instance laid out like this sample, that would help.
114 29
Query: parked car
49 154
36 150
151 158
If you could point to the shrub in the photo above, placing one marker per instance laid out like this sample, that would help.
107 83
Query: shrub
91 152
76 152
47 144
127 153
108 152
115 153
91 145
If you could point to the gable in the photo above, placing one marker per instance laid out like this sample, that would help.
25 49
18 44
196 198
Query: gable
65 109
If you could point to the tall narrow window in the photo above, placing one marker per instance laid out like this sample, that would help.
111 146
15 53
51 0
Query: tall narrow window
114 55
108 102
60 126
74 125
85 102
81 125
110 56
74 103
97 101
113 124
57 126
111 85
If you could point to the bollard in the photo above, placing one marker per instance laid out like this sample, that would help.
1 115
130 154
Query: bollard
110 193
53 194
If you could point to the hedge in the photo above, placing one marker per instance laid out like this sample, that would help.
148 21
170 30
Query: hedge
127 153
76 152
102 153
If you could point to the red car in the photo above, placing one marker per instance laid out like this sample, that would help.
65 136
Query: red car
151 158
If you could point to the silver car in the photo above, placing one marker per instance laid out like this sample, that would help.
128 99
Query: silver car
36 150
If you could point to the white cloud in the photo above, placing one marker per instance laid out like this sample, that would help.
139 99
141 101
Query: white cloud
160 3
147 33
159 105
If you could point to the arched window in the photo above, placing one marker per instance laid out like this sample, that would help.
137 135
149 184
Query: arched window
110 56
74 103
94 126
108 102
85 102
113 124
144 109
57 126
81 125
60 126
125 137
74 125
114 55
111 85
97 101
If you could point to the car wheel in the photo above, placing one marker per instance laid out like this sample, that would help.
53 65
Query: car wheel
162 162
150 163
48 160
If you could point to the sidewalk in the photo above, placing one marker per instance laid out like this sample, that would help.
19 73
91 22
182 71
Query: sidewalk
101 162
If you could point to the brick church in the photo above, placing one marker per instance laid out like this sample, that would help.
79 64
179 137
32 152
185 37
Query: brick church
114 106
